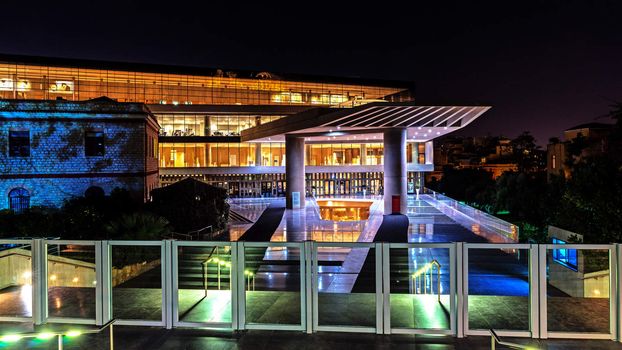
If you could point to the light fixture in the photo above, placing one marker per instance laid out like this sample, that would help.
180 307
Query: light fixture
44 336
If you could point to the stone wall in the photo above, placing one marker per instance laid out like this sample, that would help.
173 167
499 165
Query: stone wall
58 168
53 191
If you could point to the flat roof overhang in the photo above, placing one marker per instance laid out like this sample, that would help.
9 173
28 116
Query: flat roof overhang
367 123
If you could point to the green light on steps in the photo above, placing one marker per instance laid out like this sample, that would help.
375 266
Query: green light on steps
503 212
10 338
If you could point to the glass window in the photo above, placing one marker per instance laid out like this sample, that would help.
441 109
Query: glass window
19 199
566 257
19 143
94 143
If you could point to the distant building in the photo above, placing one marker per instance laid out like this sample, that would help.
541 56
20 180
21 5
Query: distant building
492 154
593 142
53 150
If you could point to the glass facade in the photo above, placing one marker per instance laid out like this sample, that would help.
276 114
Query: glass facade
209 125
188 155
200 155
33 81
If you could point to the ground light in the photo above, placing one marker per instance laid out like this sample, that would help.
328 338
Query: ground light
43 336
10 338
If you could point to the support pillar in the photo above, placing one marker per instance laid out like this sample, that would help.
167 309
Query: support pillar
258 154
295 169
395 176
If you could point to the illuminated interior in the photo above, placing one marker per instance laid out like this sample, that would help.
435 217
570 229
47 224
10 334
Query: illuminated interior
344 210
33 81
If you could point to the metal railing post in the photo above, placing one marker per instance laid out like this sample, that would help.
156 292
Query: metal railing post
308 278
39 282
618 296
386 289
111 337
534 294
542 298
105 279
378 250
168 273
460 293
241 302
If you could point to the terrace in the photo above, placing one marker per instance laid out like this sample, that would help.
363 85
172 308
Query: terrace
440 275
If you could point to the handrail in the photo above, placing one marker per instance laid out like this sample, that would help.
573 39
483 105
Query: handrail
422 271
72 333
219 262
494 339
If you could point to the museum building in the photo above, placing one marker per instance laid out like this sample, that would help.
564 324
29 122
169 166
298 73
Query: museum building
254 133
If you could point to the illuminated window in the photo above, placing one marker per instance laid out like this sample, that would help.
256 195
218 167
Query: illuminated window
19 143
94 143
19 199
554 161
566 257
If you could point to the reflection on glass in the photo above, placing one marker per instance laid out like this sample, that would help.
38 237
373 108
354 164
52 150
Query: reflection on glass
419 285
15 280
346 287
71 281
499 289
272 284
204 282
578 298
136 282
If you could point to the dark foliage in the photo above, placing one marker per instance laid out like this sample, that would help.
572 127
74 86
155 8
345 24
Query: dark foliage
191 205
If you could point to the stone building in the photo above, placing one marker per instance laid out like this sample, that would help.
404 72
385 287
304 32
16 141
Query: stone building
51 150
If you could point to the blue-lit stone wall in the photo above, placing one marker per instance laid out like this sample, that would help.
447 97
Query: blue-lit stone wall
51 192
57 167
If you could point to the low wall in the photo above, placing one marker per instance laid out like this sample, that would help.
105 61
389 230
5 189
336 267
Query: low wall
128 272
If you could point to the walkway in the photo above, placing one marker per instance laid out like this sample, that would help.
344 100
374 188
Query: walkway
139 338
263 229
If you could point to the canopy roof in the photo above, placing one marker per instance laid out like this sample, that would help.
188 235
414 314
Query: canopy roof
367 122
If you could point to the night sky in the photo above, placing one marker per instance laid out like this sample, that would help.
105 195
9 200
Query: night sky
544 66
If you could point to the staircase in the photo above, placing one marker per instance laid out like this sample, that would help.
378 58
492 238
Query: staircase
237 218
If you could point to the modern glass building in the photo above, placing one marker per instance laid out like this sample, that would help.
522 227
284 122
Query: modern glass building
228 127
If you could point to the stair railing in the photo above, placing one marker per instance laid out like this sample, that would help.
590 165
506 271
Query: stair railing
220 263
494 340
422 279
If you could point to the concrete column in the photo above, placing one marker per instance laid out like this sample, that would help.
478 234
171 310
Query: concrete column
295 169
395 168
258 154
363 154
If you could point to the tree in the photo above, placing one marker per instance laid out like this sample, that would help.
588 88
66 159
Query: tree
138 226
526 152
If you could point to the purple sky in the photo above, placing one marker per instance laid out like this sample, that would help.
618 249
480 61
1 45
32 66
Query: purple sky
544 66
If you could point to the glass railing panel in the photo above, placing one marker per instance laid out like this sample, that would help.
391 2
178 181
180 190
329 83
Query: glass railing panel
577 290
420 288
136 279
15 279
498 289
204 283
272 281
346 286
72 280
